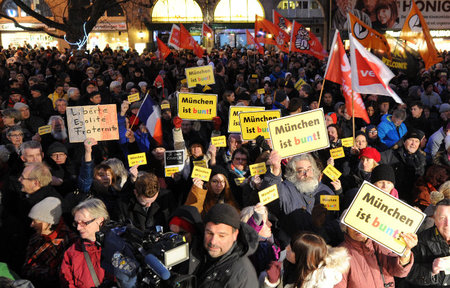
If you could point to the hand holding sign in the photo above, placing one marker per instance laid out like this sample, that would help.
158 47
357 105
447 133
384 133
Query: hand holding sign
275 162
198 182
124 108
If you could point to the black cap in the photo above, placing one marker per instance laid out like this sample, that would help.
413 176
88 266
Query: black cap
414 134
289 84
37 87
383 172
56 147
280 96
217 169
224 214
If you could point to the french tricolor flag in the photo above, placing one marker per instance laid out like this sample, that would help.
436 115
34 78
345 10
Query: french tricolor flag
150 114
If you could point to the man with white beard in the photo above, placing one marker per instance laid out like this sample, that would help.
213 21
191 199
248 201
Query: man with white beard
302 187
59 131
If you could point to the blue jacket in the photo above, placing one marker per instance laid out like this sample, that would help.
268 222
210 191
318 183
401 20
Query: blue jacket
387 131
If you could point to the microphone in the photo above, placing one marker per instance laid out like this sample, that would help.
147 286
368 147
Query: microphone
157 266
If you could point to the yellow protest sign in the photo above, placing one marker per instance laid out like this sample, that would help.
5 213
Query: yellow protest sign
239 180
382 217
331 202
299 84
133 97
219 141
299 133
332 172
261 91
203 75
169 171
197 106
347 142
200 163
268 195
254 124
92 121
258 169
165 106
201 173
45 129
233 119
337 153
137 159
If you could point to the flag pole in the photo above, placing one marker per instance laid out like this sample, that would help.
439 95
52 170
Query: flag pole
353 117
137 114
321 90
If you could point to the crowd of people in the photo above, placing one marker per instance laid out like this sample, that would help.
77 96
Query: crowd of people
56 195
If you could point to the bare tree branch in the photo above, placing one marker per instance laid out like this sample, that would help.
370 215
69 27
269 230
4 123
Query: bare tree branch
42 29
39 17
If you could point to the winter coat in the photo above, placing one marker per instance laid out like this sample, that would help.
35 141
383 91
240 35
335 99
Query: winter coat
197 198
388 133
365 262
232 270
431 245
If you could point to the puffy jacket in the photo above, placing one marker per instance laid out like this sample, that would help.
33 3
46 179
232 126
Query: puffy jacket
431 245
388 133
232 270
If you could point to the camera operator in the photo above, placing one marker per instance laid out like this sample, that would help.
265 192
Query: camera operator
223 261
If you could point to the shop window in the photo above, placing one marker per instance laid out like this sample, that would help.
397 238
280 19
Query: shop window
11 9
238 11
177 11
115 11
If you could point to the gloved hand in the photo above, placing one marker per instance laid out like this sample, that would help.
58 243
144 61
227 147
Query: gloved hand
217 122
261 142
274 272
177 122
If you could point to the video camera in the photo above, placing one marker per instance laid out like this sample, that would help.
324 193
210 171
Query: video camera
142 259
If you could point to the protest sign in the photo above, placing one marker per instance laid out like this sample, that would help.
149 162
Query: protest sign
254 123
193 106
382 217
331 202
137 159
300 133
201 173
332 173
133 97
203 75
268 195
173 159
337 153
45 129
258 169
200 163
165 106
92 121
233 119
347 142
261 91
219 141
239 180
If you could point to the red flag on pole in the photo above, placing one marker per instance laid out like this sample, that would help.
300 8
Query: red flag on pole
338 71
207 30
251 41
164 51
187 42
266 32
304 41
281 21
174 38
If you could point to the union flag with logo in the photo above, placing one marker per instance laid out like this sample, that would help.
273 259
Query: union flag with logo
304 41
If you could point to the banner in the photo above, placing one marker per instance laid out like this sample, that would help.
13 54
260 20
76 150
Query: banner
233 118
92 121
304 41
193 106
252 41
175 37
263 32
254 124
382 217
203 75
281 21
164 51
273 34
187 42
300 133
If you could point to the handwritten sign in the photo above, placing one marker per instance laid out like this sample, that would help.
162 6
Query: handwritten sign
258 169
261 91
169 171
299 133
382 217
347 142
254 124
45 129
219 141
233 119
268 195
337 153
197 106
137 159
133 97
203 75
92 121
201 173
332 172
331 202
173 161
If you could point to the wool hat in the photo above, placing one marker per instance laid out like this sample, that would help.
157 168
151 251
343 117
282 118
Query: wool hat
414 134
48 210
57 147
217 169
383 172
37 87
371 153
444 108
224 214
20 105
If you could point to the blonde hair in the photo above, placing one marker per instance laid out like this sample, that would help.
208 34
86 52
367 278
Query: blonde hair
40 172
94 206
248 212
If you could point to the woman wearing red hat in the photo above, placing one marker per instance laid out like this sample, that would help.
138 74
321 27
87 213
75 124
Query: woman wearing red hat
368 159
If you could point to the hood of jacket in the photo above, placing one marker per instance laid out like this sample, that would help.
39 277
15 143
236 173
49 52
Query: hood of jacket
247 240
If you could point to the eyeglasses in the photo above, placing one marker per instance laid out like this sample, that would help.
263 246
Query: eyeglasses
217 182
82 223
24 178
304 171
16 135
240 159
373 131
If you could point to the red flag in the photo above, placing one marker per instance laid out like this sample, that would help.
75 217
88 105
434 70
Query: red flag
187 42
338 71
164 51
304 41
251 41
266 32
174 39
281 21
207 30
369 74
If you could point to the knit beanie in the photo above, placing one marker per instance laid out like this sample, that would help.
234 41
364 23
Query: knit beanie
48 210
371 153
217 169
383 172
56 147
224 214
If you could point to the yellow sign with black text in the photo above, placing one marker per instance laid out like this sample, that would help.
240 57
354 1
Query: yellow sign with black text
331 202
337 153
201 173
169 171
137 159
233 119
203 75
254 124
258 169
332 172
45 129
192 106
219 141
268 195
133 97
347 142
